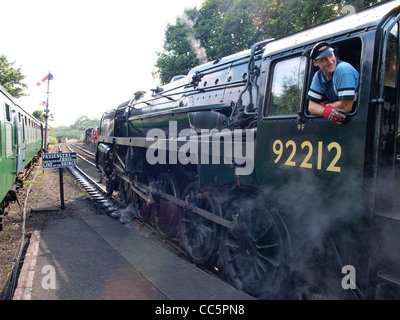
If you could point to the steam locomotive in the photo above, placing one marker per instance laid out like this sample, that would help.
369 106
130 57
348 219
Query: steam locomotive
228 162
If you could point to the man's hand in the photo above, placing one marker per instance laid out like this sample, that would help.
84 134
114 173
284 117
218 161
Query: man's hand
335 116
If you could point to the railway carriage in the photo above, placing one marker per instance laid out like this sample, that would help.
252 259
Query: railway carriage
228 162
22 137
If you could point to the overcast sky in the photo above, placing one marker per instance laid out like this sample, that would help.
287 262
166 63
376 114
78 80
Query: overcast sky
99 52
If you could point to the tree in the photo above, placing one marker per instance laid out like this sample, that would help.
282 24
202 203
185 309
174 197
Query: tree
223 27
84 122
178 56
75 130
40 115
10 78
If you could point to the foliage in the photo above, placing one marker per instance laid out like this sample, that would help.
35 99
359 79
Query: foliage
75 130
53 140
223 27
11 78
178 56
39 114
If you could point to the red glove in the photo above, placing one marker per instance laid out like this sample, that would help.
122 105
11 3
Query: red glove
336 116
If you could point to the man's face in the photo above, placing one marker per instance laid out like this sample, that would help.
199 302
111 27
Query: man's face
327 64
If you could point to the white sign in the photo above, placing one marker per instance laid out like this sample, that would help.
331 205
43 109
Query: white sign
59 160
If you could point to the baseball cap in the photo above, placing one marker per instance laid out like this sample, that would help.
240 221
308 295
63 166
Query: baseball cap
321 50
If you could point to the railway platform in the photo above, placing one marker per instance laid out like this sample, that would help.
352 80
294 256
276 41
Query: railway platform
94 257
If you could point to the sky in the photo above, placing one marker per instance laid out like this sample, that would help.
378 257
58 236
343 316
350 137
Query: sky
99 52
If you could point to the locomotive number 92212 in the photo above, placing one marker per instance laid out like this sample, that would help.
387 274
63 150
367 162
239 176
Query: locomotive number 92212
286 152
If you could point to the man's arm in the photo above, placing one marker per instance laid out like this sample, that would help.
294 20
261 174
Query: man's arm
315 108
318 109
331 111
345 105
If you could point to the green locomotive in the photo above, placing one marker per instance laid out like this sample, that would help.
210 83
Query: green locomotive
22 138
229 162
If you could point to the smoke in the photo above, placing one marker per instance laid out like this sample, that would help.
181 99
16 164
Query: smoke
195 44
125 215
319 218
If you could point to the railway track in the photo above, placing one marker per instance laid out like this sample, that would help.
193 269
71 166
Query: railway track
85 174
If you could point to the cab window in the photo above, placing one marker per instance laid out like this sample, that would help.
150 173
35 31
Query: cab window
349 51
286 88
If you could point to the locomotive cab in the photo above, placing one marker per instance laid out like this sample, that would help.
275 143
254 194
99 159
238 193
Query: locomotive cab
335 175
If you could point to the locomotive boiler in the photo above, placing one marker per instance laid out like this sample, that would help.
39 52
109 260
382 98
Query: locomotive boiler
228 162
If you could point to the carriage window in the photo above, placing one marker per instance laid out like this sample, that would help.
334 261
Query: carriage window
286 87
8 112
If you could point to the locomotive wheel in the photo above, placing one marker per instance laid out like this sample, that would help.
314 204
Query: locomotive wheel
110 185
167 214
198 233
144 210
125 193
255 254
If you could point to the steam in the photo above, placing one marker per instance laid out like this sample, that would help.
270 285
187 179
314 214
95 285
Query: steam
316 215
125 215
195 44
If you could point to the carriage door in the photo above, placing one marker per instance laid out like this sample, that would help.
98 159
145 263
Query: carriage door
20 142
387 142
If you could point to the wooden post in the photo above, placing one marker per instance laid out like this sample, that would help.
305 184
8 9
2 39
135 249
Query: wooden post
61 188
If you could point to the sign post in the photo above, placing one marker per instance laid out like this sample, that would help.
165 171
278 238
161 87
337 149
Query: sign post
61 178
46 110
59 160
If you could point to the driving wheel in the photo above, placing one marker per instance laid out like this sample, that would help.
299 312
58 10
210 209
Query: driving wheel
167 214
198 233
255 252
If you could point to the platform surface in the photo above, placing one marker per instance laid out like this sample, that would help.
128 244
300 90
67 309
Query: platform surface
95 257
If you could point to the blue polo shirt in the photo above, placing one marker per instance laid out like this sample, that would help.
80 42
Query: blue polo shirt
342 86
